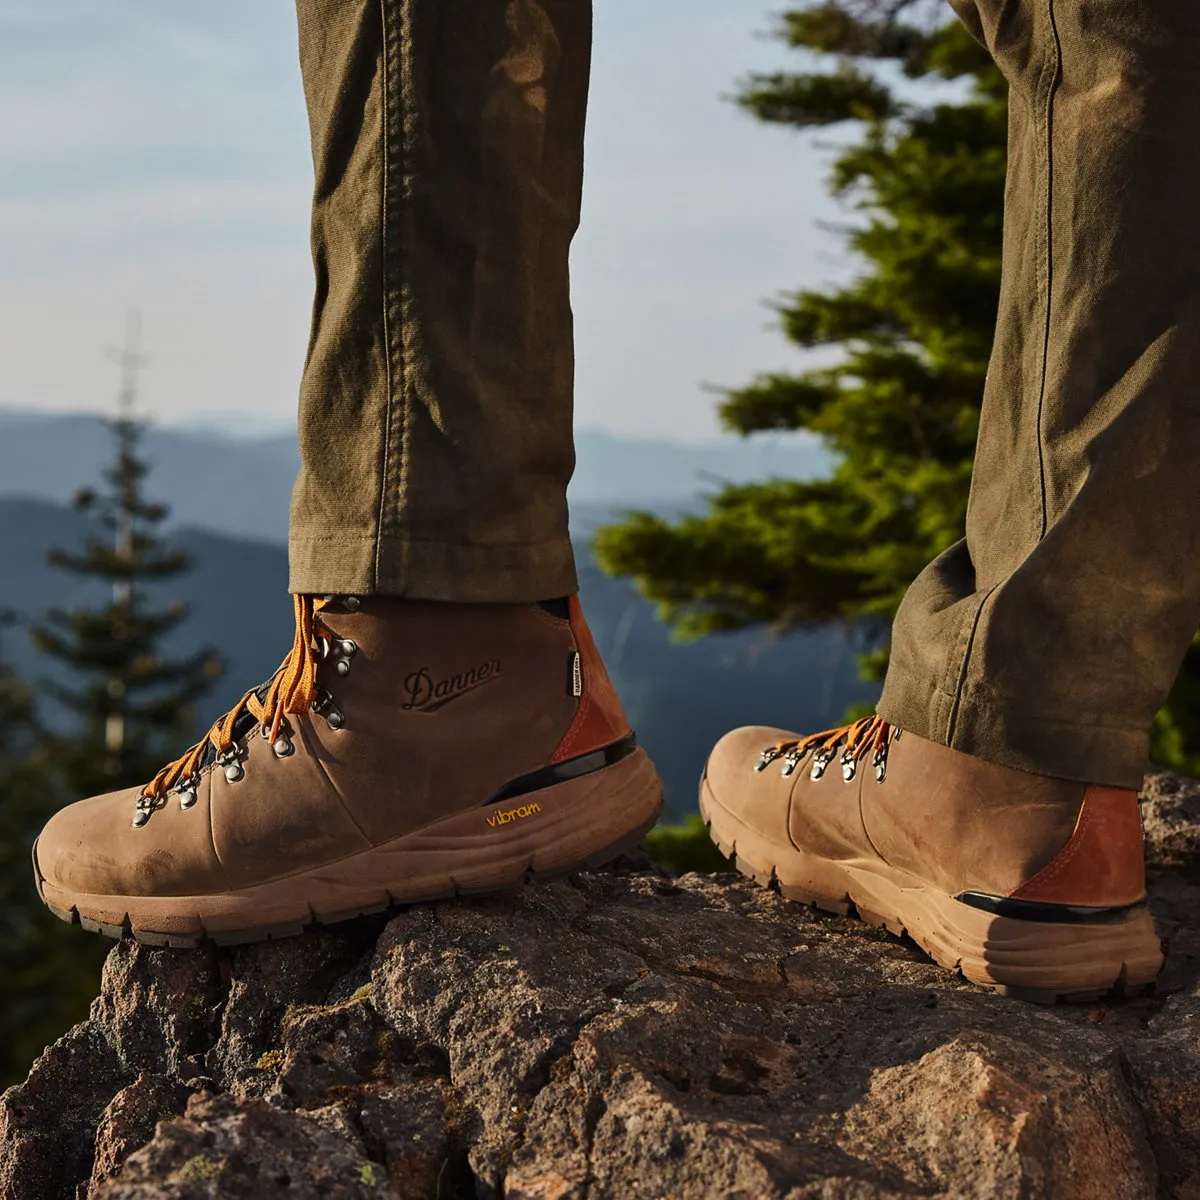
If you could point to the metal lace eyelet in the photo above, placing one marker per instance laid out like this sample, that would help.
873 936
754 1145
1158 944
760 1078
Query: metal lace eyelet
188 792
344 650
767 757
349 603
145 806
339 651
849 765
283 745
231 763
324 706
791 760
879 762
821 760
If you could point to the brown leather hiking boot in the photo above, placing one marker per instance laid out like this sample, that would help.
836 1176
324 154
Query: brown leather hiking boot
404 751
1030 885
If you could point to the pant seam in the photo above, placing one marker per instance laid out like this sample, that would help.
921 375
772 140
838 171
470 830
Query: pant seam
394 277
406 119
1047 88
385 123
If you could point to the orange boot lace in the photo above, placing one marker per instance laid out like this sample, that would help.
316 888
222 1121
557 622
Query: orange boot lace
292 689
871 734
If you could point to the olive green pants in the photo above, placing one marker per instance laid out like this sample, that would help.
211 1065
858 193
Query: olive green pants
436 406
435 415
1051 635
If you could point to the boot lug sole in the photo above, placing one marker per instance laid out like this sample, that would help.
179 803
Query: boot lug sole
997 953
590 821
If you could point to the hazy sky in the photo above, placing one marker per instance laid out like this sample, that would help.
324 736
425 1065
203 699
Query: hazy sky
155 155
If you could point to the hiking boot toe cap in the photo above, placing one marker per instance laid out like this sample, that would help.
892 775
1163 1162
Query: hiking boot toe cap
759 799
75 850
90 848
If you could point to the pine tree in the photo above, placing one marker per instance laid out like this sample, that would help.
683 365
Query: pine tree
900 408
134 706
50 975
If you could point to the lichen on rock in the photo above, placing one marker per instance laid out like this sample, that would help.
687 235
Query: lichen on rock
617 1035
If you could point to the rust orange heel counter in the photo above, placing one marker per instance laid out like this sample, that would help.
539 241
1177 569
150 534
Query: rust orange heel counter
1104 863
599 719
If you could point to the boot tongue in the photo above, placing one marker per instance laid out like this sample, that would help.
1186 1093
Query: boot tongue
243 727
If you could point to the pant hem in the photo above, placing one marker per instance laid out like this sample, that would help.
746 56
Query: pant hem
415 570
1040 745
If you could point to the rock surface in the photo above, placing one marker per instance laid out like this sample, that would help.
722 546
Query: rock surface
617 1035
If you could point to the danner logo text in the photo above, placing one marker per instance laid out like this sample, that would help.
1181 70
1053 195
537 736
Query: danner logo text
428 694
514 814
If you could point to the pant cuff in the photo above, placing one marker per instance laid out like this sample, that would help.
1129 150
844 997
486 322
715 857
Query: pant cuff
1038 744
415 570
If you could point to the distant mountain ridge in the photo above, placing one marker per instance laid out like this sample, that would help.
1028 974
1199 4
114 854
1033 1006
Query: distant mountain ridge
241 486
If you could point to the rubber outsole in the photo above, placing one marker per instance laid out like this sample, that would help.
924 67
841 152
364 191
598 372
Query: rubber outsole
1037 962
616 806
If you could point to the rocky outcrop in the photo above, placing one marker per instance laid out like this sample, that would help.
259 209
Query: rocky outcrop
617 1035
